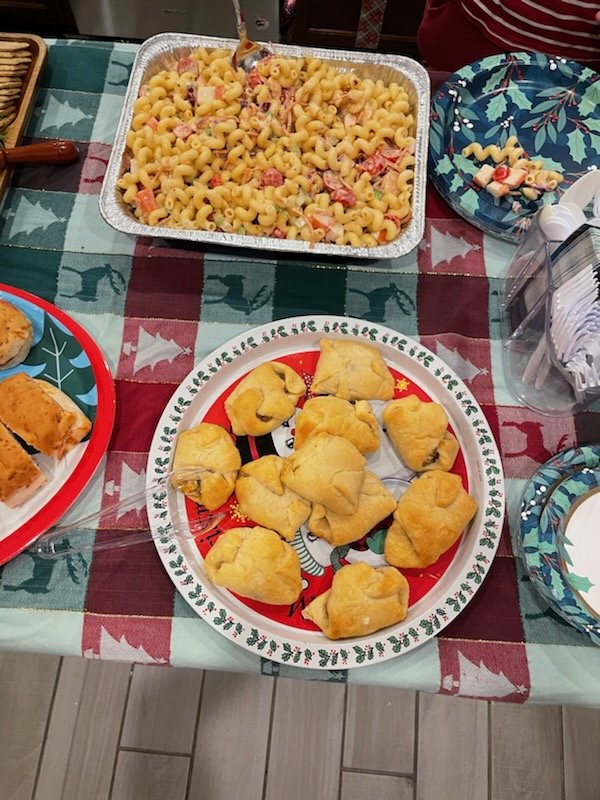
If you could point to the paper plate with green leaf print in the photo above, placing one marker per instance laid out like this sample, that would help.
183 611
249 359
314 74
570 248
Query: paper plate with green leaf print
438 593
550 104
538 527
66 356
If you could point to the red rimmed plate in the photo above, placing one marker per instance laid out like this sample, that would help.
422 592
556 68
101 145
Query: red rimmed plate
438 594
64 354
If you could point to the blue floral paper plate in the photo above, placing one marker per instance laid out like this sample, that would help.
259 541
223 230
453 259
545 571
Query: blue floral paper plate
537 541
577 535
550 104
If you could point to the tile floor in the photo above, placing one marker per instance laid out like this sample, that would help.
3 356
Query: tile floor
75 729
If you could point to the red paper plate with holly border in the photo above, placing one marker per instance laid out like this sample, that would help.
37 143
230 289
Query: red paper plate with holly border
67 357
437 594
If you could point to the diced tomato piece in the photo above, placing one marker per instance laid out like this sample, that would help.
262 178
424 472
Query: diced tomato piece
215 181
152 123
271 177
277 233
382 236
393 218
332 180
182 130
254 78
501 172
187 65
344 196
145 200
392 153
219 91
321 219
375 164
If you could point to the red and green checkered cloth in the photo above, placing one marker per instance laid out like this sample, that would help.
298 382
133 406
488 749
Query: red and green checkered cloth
157 308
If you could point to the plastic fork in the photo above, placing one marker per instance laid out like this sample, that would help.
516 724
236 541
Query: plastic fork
79 536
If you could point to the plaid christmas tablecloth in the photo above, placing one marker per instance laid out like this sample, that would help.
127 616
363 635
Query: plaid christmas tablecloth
157 309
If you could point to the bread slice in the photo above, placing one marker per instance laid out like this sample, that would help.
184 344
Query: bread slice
20 476
41 415
16 335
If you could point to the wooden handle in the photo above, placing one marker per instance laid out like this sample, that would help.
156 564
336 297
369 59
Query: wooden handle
57 151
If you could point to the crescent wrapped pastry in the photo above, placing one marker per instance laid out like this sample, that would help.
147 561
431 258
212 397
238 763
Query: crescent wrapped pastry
353 421
209 462
353 371
264 399
327 470
375 502
419 434
256 563
362 599
429 518
266 500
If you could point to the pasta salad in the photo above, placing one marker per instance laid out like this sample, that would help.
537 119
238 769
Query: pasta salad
297 149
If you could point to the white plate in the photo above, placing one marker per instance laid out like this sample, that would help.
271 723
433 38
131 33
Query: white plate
278 633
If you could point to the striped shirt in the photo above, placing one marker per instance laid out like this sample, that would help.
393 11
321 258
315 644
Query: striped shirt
557 27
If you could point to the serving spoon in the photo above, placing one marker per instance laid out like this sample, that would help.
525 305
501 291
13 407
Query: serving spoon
248 53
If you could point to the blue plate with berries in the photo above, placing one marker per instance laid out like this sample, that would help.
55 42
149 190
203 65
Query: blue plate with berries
509 134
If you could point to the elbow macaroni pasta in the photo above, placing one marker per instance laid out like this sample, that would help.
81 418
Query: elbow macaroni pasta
295 150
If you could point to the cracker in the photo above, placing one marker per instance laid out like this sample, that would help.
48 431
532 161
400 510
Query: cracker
13 44
17 62
10 83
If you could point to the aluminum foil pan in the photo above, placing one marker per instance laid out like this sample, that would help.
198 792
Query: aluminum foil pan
153 56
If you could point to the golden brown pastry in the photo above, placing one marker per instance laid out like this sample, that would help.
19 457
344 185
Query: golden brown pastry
20 476
353 371
265 500
327 470
429 518
42 415
208 461
256 563
353 421
375 502
16 335
362 599
264 399
419 434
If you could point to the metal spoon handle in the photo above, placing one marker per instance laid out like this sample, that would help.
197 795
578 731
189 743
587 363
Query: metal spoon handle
239 19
